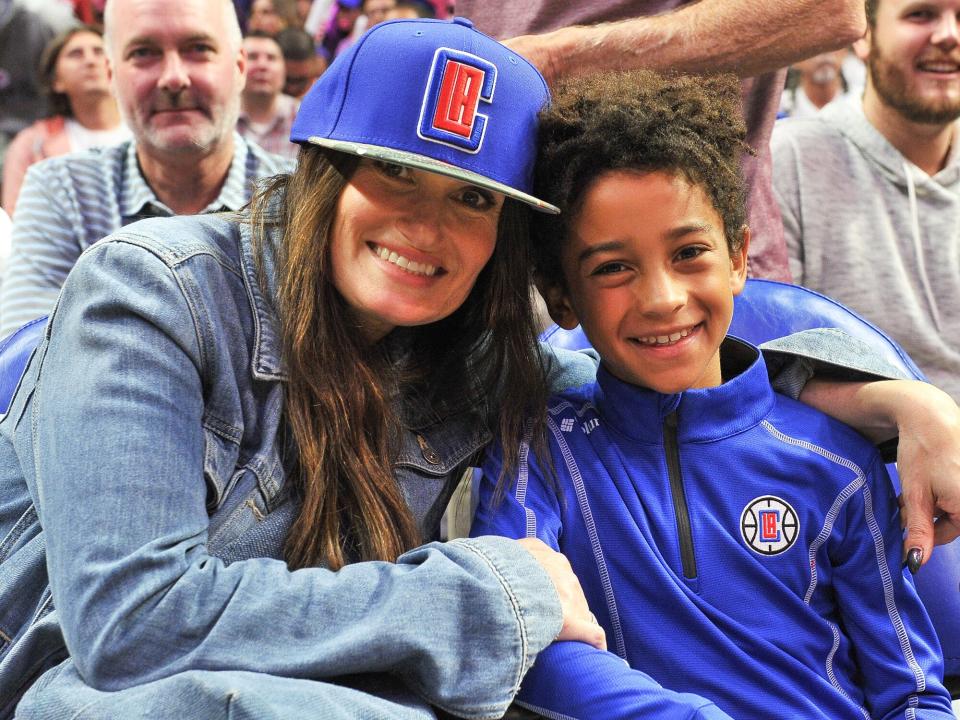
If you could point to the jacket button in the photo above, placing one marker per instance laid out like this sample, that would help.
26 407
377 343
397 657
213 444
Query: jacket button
429 454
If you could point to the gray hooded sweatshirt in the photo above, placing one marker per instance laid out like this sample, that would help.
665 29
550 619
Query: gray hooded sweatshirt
869 228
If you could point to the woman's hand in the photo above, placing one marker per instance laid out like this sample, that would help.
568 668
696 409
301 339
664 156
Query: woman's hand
578 622
928 459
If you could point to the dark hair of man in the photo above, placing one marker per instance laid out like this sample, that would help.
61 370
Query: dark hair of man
640 122
296 44
871 10
47 72
346 400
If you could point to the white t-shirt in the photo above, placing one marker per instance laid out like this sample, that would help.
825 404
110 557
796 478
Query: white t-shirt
82 138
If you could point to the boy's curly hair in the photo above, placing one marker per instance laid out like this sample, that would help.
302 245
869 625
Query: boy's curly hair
638 121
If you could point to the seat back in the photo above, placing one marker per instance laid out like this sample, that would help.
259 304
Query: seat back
767 310
15 351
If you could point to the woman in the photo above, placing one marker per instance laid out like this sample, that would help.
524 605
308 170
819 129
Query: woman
84 113
239 429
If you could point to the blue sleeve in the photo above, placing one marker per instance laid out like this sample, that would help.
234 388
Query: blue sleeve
894 642
575 680
571 679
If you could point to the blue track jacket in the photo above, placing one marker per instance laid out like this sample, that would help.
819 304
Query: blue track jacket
734 544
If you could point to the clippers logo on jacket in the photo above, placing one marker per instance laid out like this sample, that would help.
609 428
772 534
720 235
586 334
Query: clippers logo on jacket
458 83
769 525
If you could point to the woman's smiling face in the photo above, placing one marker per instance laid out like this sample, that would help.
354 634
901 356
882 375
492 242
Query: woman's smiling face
407 245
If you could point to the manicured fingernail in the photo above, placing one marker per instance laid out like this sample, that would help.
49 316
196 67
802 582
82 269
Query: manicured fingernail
914 558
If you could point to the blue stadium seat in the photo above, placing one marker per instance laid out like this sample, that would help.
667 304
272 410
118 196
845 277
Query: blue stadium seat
15 350
766 310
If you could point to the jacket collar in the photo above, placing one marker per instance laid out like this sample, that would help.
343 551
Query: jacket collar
266 363
706 414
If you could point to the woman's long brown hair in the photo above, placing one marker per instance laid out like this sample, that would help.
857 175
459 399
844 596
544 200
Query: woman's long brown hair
344 398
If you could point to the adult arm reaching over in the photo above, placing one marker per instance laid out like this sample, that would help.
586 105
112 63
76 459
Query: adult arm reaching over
746 37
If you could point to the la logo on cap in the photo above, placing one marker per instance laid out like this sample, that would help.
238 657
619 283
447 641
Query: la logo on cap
458 83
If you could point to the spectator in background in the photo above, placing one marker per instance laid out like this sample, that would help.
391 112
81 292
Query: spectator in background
303 65
178 70
376 11
819 81
272 16
339 33
25 30
410 10
870 189
266 114
73 73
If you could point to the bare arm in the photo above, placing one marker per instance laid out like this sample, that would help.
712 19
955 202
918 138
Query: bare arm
928 457
747 37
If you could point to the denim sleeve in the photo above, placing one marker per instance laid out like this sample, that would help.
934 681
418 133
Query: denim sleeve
117 422
572 679
828 352
893 640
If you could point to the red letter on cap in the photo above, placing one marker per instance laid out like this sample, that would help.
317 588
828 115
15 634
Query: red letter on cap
458 99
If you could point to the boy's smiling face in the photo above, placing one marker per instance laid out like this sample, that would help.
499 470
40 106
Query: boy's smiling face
651 279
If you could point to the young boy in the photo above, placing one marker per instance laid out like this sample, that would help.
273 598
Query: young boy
734 544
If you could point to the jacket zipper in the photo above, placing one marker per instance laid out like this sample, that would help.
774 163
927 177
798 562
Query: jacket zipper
672 450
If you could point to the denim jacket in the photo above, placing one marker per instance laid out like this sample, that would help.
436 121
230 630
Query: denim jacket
145 435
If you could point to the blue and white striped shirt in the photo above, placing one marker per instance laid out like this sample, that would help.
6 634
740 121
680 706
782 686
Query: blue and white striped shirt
67 203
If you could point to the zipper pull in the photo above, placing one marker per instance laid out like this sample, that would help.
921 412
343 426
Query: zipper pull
672 420
429 454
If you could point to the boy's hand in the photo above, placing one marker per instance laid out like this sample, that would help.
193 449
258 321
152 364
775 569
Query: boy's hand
578 622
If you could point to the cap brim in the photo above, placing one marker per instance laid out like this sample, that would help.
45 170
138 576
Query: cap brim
422 162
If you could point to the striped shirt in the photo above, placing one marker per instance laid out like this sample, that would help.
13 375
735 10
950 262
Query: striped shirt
273 136
67 203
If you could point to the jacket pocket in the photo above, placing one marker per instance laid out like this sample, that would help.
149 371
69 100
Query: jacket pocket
221 456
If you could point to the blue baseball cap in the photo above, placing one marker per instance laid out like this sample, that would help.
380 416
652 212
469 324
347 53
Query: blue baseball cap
434 95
